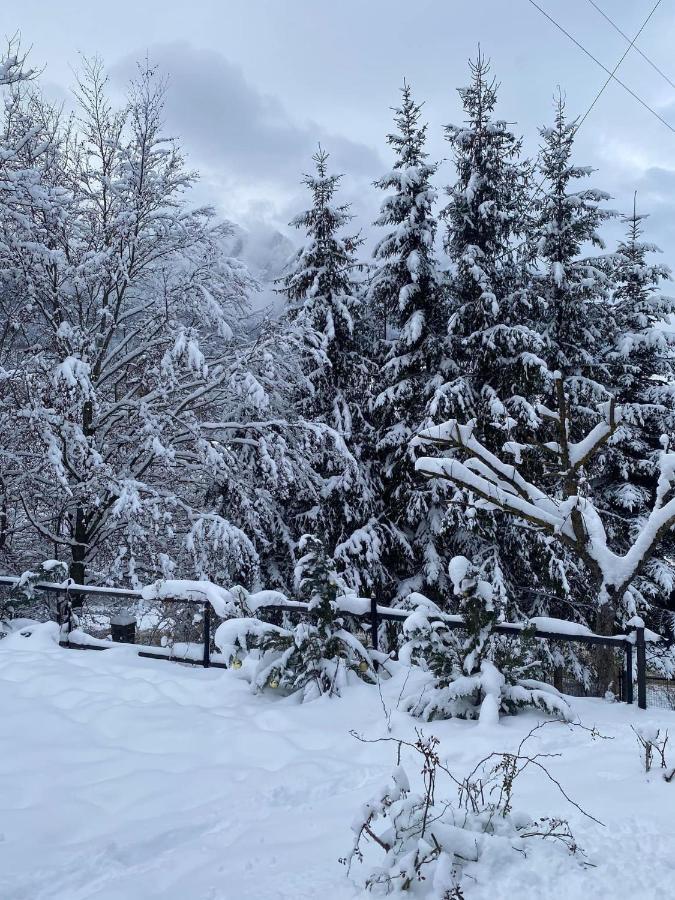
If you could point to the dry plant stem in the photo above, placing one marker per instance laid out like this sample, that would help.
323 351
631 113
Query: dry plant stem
651 745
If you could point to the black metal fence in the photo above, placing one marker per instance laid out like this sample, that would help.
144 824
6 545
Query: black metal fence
632 645
660 693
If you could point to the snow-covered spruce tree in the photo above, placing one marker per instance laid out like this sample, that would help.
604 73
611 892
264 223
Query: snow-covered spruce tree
604 343
570 295
324 302
494 342
116 352
474 673
409 307
640 378
573 288
314 657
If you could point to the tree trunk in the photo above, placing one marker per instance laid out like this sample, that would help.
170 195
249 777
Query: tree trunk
608 668
4 515
77 568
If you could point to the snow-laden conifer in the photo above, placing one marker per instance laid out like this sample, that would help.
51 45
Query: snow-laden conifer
639 364
407 299
325 305
313 657
473 673
494 342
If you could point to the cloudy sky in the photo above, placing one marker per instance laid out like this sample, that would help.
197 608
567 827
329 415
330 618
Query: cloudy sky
255 84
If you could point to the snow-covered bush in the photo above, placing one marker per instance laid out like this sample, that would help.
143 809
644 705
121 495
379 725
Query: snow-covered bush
429 839
313 657
473 673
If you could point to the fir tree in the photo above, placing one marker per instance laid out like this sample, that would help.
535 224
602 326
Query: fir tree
479 674
314 657
570 295
640 370
324 303
494 343
573 289
406 296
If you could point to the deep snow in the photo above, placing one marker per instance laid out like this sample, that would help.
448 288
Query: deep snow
131 779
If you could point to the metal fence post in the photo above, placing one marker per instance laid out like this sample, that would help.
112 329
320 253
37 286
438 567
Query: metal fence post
641 666
207 635
64 614
374 626
628 692
374 623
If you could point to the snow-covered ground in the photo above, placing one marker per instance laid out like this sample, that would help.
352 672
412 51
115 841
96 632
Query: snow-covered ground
130 779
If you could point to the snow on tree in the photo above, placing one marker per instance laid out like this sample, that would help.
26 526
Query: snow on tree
640 369
409 306
116 353
495 345
560 508
606 343
262 473
13 65
568 295
30 206
324 302
314 657
571 287
474 673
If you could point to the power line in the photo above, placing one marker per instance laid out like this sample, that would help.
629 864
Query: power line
604 67
539 186
613 72
635 47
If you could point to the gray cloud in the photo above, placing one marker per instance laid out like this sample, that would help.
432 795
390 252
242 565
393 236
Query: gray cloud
239 135
274 78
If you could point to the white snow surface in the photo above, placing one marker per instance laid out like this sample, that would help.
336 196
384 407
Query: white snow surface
131 779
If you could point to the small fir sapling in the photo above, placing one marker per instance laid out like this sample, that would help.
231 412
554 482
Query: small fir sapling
481 674
313 657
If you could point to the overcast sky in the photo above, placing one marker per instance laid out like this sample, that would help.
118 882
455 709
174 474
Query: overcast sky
254 84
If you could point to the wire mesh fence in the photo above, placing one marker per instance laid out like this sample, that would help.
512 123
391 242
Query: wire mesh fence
661 693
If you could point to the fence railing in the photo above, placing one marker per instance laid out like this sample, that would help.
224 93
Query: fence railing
368 611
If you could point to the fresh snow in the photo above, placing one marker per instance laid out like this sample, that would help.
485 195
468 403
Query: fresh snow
222 600
131 779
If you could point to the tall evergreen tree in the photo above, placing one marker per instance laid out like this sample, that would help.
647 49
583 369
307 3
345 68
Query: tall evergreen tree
639 362
324 303
493 341
574 288
570 292
494 344
406 296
